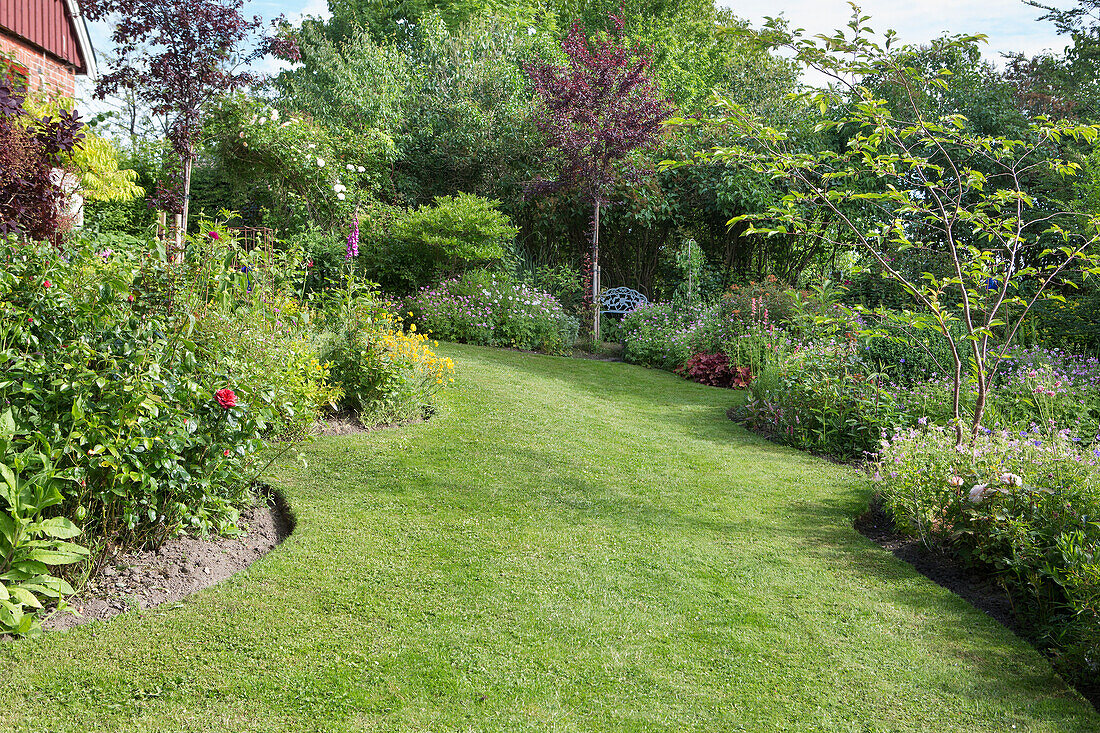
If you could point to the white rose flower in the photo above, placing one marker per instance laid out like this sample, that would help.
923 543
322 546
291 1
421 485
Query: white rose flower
351 167
275 114
339 188
1011 479
955 481
320 162
341 196
312 146
361 169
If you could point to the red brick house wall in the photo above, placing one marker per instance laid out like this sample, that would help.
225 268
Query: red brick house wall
41 70
48 41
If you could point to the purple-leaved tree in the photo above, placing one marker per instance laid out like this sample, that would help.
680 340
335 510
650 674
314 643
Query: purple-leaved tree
175 56
596 109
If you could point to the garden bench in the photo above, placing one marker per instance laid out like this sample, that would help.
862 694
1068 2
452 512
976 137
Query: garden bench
620 301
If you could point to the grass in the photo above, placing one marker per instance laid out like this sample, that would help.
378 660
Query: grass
568 546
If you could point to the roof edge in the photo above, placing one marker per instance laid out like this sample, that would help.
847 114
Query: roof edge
80 25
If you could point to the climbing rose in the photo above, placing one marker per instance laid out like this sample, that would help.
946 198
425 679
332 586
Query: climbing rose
226 398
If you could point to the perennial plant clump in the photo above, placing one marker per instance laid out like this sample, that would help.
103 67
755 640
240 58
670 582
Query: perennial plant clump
480 308
1024 505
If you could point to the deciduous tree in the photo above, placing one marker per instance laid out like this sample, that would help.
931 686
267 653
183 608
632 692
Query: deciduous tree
595 110
911 179
176 56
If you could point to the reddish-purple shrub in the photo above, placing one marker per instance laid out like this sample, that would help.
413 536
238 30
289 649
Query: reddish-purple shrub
715 370
31 150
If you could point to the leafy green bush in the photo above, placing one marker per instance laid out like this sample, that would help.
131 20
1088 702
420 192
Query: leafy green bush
136 394
657 335
751 300
906 353
441 240
386 375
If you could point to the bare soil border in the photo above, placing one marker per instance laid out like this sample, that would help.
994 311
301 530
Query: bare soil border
145 579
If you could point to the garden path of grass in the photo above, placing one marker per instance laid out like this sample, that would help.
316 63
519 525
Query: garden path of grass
568 545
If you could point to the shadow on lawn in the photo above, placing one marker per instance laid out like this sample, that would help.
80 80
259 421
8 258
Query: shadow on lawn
830 524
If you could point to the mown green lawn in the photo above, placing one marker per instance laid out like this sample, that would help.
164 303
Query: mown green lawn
567 546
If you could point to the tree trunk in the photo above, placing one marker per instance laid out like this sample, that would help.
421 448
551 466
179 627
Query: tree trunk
596 275
181 233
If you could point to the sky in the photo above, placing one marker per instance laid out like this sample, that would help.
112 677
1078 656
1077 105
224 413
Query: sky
1010 25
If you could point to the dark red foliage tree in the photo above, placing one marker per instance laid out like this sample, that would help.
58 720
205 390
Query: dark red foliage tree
594 110
32 157
176 55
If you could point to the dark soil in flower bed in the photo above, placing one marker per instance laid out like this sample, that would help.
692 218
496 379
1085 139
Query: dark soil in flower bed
147 578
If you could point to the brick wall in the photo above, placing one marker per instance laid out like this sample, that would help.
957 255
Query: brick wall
45 72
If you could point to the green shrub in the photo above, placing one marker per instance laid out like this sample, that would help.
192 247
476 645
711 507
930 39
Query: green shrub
908 354
823 398
454 234
657 335
744 302
136 394
386 375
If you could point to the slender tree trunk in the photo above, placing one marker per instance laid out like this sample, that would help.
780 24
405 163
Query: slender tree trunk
181 233
983 389
596 275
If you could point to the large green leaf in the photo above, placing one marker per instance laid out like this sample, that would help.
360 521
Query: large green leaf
7 527
8 486
30 568
62 553
11 615
7 425
24 596
58 527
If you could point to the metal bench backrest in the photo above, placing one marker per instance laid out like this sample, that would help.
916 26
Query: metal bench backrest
621 300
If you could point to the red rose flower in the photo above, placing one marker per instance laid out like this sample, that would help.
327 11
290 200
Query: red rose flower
226 398
214 236
226 453
45 283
